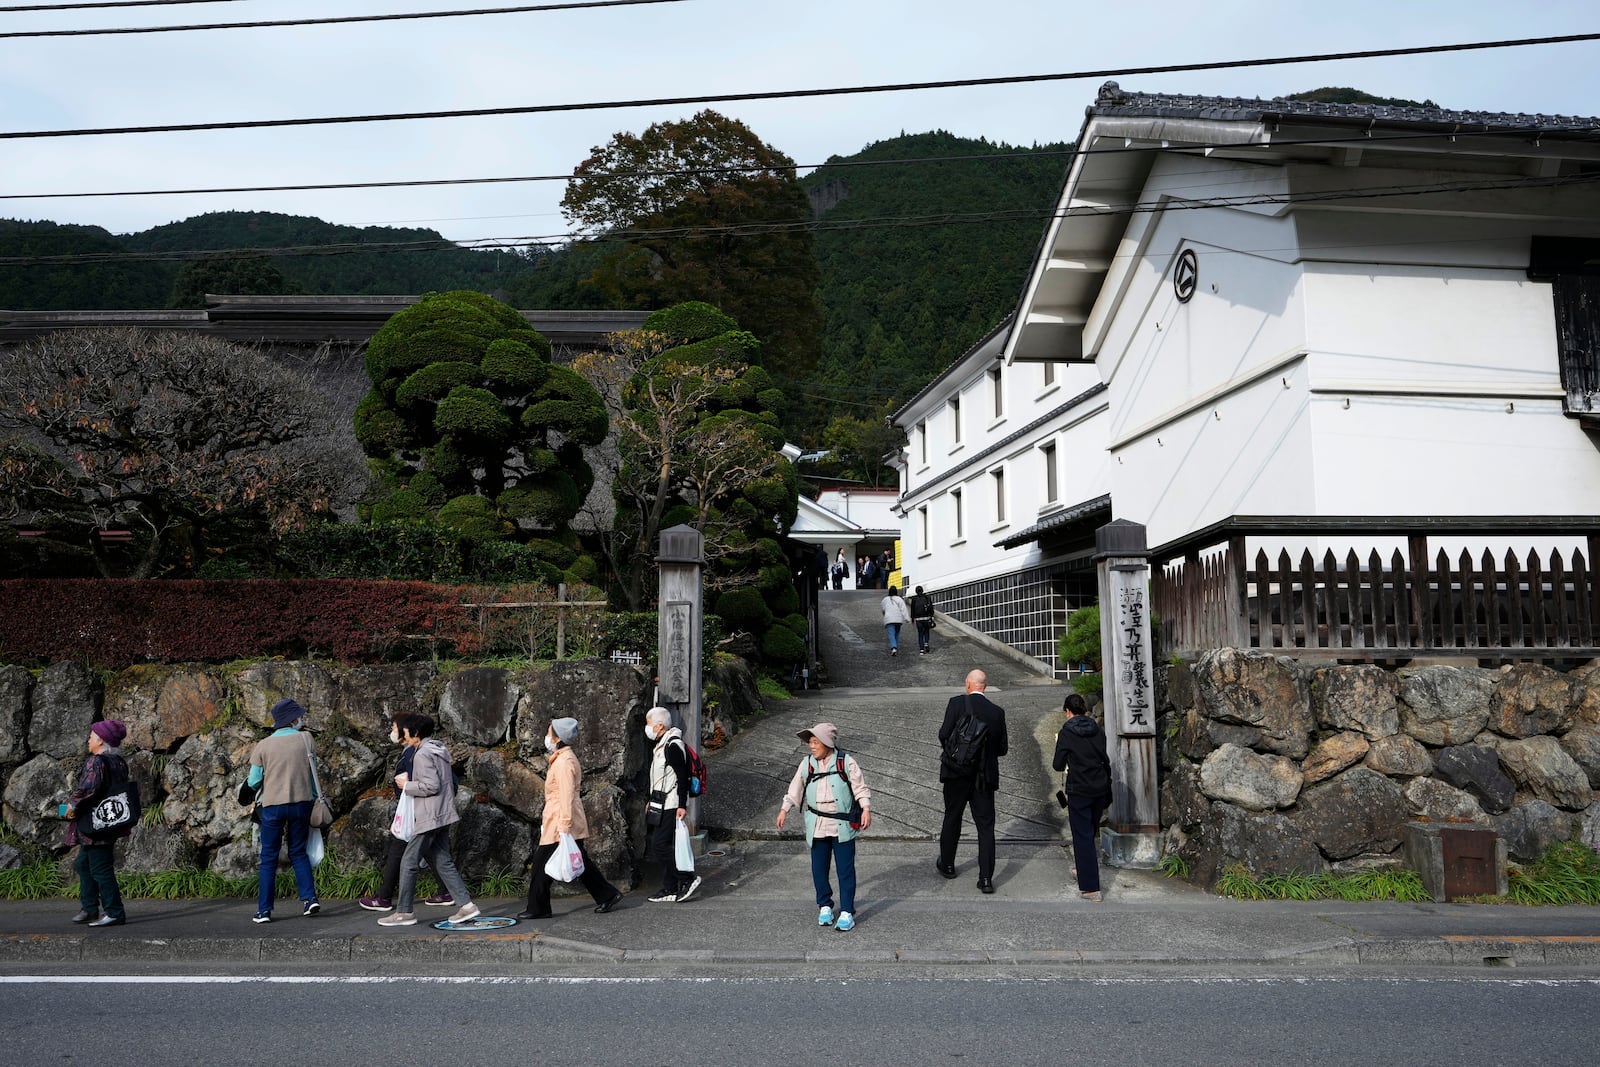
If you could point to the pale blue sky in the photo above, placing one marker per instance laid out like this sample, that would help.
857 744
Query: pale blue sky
678 49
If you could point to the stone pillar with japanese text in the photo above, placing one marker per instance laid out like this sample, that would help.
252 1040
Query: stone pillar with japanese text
1133 832
680 607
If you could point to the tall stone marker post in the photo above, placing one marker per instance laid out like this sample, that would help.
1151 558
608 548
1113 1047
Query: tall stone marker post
1133 838
680 565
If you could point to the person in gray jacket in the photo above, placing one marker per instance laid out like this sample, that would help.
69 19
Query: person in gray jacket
432 787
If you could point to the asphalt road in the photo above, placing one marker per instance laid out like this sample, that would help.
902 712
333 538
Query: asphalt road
757 1022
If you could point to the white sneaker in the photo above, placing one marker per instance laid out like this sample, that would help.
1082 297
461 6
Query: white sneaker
825 917
689 892
846 922
399 918
466 912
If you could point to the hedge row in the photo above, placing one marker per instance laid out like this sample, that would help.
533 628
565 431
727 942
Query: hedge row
113 623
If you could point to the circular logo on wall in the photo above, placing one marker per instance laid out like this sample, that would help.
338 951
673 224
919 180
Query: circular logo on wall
1187 277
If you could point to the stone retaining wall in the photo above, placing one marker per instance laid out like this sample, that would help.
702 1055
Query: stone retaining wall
191 728
1288 767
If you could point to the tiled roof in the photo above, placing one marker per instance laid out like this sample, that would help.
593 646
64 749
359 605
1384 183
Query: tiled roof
1112 100
1098 509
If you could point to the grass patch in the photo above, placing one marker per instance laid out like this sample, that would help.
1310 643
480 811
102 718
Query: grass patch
1174 866
771 688
1395 884
1567 873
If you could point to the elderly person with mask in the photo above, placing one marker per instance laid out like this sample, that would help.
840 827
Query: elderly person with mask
669 802
431 785
280 767
826 786
99 896
563 814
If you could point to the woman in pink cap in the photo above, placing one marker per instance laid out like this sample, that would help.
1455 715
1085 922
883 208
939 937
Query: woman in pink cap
829 788
99 896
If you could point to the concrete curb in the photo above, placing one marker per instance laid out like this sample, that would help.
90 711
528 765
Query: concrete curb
533 948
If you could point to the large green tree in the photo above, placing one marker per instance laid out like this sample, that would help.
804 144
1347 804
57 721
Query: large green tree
703 209
469 423
698 441
233 275
186 441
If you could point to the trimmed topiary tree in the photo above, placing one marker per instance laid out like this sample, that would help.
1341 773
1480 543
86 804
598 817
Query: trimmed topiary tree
469 424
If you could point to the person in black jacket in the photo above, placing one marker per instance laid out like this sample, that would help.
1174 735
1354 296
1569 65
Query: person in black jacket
1081 752
975 785
922 615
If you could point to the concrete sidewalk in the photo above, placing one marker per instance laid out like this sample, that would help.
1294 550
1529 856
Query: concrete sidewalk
755 911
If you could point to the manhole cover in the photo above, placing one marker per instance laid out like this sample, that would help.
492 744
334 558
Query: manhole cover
716 852
482 922
760 763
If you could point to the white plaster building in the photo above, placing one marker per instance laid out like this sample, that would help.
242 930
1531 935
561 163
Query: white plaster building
1314 324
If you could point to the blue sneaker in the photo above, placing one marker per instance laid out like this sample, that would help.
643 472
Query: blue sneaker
825 917
846 921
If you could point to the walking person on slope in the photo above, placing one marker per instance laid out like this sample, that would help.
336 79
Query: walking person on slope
895 615
972 739
922 615
1081 752
826 786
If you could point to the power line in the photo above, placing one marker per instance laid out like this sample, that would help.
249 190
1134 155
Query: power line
793 94
816 226
334 20
109 3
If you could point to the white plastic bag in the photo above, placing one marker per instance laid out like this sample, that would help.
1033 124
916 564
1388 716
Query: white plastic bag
314 848
683 848
404 825
566 863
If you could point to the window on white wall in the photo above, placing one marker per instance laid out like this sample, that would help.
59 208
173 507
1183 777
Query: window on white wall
955 420
1049 370
1051 484
922 443
955 506
997 392
999 477
922 526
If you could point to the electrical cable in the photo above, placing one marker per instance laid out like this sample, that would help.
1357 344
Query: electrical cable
570 5
810 225
797 94
108 3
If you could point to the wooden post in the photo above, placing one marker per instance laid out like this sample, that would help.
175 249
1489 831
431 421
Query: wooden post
1417 547
1238 621
1134 836
561 621
680 565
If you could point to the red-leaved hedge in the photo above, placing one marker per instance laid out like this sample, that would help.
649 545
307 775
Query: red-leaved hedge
113 623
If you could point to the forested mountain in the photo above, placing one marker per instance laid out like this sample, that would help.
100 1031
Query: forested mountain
47 286
920 259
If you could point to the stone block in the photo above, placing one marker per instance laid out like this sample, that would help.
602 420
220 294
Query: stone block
65 703
1425 854
1445 705
1252 688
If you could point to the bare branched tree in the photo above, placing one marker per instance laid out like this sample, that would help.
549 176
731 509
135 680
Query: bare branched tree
168 433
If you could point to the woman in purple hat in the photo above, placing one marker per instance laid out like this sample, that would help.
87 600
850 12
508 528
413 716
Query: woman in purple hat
99 896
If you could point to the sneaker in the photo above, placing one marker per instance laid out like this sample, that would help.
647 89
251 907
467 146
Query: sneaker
440 900
825 917
262 917
685 894
376 903
846 922
664 898
894 652
399 918
312 907
465 913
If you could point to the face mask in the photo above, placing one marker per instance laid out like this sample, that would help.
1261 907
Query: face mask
648 735
549 743
394 737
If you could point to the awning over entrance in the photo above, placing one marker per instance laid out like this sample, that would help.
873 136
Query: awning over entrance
1078 520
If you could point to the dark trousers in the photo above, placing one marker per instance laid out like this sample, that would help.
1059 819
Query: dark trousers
279 821
843 855
98 892
663 849
391 868
924 632
539 884
957 795
1083 815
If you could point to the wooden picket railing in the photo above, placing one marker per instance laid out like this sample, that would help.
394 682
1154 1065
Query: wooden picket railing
1514 606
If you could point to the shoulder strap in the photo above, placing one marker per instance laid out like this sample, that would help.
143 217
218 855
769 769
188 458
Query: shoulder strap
311 757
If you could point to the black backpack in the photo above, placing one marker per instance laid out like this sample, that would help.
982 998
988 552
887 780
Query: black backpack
963 749
921 606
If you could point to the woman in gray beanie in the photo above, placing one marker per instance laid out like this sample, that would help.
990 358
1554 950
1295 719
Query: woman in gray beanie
563 814
99 896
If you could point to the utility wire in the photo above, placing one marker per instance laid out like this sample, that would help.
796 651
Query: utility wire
815 226
794 94
335 20
732 170
108 3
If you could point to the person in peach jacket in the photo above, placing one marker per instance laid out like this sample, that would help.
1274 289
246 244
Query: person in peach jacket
563 814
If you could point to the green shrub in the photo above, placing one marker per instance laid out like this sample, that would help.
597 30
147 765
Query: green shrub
782 645
1568 872
1081 642
744 609
473 519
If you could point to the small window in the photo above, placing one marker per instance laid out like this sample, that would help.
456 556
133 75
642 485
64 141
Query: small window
999 477
955 420
1049 374
922 443
996 390
1050 478
922 521
955 503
